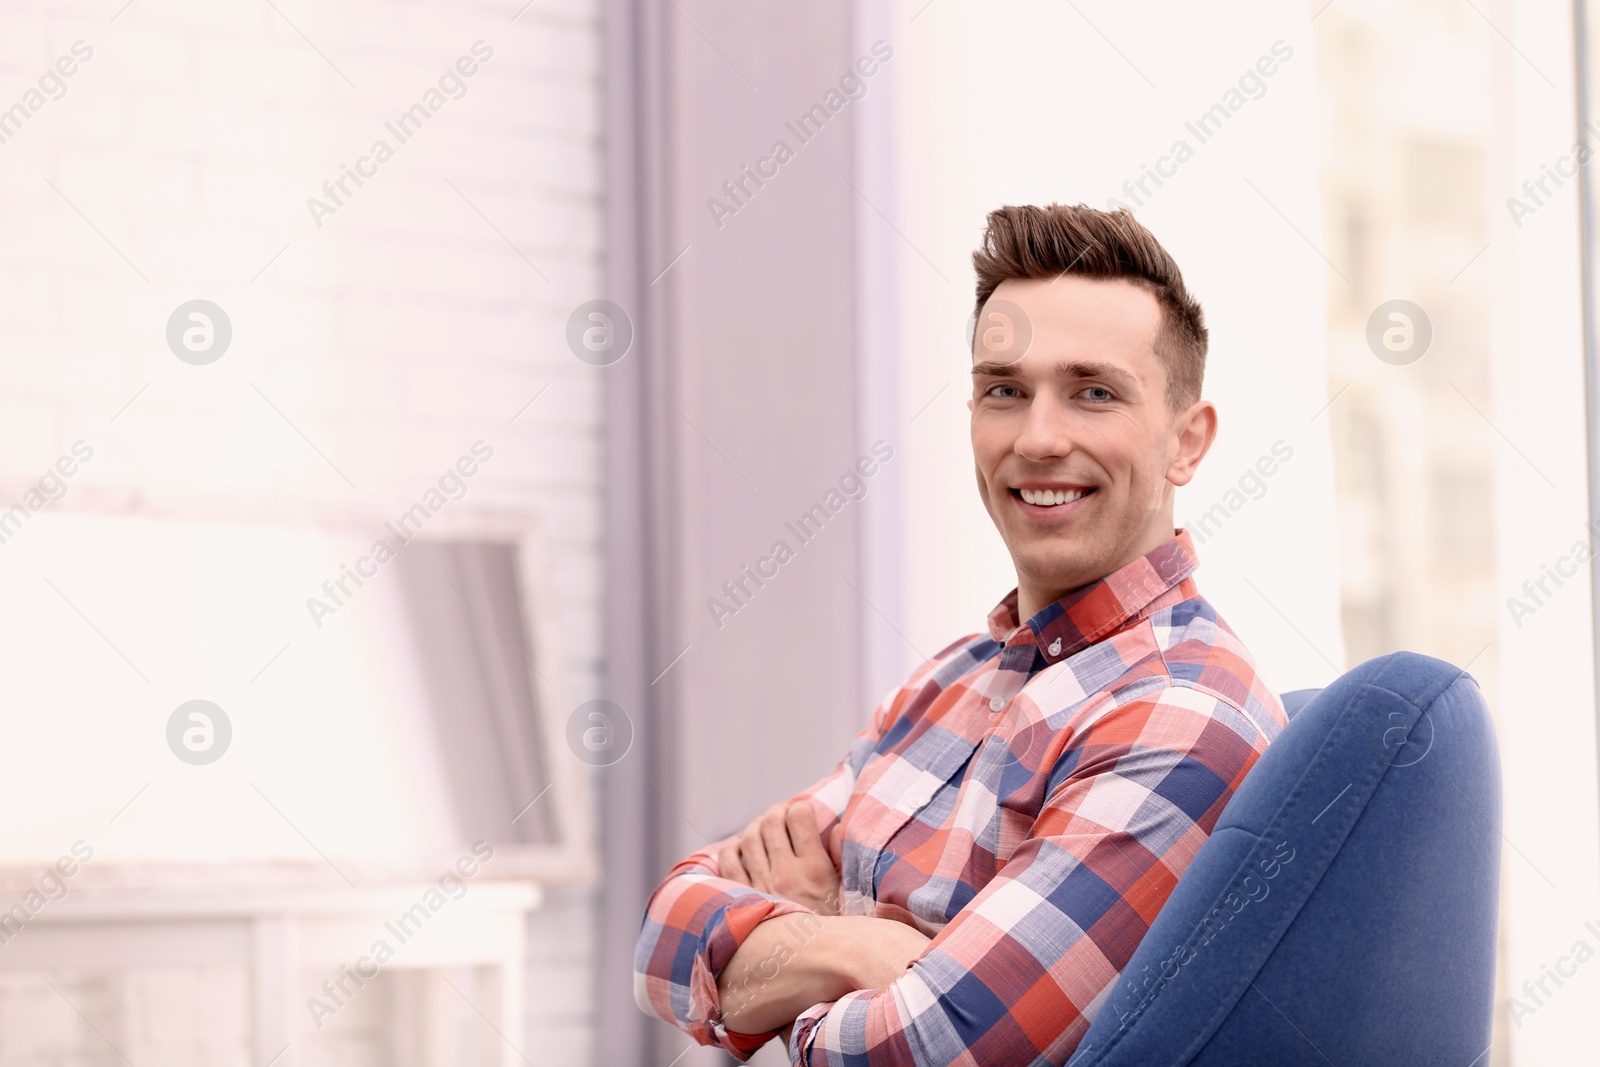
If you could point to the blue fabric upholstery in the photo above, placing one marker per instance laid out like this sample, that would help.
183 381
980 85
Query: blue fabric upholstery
1293 702
1344 909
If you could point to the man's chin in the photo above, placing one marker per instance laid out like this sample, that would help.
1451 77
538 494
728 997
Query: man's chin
1061 573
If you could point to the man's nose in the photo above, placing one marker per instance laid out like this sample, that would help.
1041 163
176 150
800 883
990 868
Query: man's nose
1047 428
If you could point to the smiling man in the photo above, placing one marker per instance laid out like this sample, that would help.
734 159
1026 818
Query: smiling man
969 881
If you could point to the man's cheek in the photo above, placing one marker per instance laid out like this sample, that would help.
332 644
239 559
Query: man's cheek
983 491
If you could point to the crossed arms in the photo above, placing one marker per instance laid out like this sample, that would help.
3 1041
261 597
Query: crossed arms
791 962
741 942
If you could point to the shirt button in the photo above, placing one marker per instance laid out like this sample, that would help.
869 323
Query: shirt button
997 703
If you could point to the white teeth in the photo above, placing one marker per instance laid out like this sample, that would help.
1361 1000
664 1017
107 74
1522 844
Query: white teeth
1051 497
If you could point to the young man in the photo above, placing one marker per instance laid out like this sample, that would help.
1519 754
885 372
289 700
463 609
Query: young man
967 884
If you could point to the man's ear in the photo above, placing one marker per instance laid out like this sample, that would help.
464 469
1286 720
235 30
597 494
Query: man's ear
1192 432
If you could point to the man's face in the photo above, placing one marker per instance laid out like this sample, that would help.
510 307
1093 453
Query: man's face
1081 418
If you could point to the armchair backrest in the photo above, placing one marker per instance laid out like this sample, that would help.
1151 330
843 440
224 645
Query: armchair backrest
1344 908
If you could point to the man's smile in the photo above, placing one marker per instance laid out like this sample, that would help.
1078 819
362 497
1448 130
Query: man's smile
1052 500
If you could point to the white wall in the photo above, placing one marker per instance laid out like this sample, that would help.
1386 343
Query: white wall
1551 856
177 165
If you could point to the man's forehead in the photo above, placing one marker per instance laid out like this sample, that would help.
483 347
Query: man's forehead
1067 326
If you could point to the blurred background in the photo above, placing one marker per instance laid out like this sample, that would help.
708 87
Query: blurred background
590 300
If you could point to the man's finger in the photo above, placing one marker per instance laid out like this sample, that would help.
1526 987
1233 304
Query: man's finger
803 833
729 865
754 854
836 846
775 835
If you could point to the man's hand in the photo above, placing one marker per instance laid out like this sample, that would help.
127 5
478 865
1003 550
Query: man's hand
791 962
781 852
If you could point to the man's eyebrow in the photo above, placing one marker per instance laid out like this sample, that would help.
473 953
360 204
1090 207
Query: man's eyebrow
1083 368
1066 368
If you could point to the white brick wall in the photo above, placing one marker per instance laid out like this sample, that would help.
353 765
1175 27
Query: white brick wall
177 1016
561 1022
392 336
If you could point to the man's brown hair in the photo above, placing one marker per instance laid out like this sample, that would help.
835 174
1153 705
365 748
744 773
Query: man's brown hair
1042 242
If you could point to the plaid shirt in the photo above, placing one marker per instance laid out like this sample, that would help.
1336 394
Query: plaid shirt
1029 799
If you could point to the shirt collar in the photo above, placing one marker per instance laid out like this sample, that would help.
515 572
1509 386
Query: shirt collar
1095 611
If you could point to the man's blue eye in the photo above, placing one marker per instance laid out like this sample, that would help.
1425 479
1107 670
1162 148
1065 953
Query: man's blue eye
1099 389
992 392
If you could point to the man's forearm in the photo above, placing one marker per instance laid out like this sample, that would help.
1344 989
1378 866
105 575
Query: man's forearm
793 961
787 964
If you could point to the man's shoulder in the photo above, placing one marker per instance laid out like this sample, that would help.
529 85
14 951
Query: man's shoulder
1184 657
934 675
1202 652
954 660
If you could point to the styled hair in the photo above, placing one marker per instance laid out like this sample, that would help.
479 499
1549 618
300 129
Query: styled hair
1041 242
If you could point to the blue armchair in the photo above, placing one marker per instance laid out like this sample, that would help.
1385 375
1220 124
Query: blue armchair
1343 911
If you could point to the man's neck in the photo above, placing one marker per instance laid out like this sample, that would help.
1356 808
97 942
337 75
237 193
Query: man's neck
1034 597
